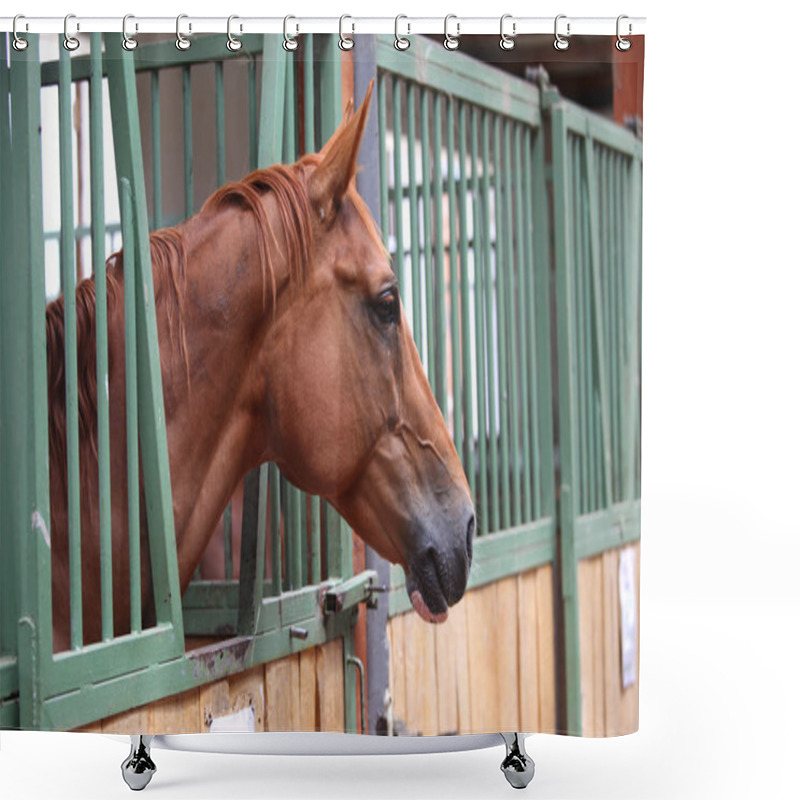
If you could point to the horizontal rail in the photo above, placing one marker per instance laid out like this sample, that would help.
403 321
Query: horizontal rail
604 530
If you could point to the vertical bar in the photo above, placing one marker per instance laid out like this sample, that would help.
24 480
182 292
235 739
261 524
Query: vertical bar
155 113
466 326
431 343
397 138
273 86
383 167
131 425
316 541
188 153
502 365
330 86
25 438
252 112
455 317
568 410
490 325
289 127
481 377
524 271
413 203
275 529
67 260
219 118
100 288
584 496
251 565
296 545
227 540
441 286
308 93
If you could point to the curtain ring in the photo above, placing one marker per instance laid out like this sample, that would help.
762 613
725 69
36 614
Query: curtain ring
181 42
507 42
70 42
623 44
128 42
233 44
289 42
451 42
401 42
560 42
19 43
345 42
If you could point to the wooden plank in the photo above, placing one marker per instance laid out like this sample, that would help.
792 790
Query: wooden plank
507 654
308 690
282 683
421 690
585 575
629 699
527 627
246 690
459 620
179 713
137 720
545 641
611 643
598 688
397 660
215 702
330 686
446 676
482 648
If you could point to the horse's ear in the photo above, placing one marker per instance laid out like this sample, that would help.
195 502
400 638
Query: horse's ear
329 181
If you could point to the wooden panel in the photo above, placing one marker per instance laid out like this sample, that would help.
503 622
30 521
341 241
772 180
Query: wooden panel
528 653
446 675
611 642
629 699
585 624
215 702
178 714
398 661
459 621
330 686
506 614
246 690
282 682
129 722
482 648
421 688
546 648
598 677
308 690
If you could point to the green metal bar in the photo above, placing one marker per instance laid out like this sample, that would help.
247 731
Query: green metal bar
67 262
273 84
490 321
26 489
296 544
466 324
98 230
251 564
382 148
330 85
431 343
316 541
455 337
441 287
520 302
155 113
411 141
308 94
289 127
219 119
568 414
152 430
227 540
132 429
397 137
275 529
512 331
188 151
481 378
502 358
252 113
615 316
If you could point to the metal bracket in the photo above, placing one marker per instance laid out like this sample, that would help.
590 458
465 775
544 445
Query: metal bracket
349 593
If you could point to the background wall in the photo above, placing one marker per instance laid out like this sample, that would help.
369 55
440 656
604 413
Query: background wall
720 533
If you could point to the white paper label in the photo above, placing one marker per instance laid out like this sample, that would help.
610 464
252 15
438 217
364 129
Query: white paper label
628 615
243 721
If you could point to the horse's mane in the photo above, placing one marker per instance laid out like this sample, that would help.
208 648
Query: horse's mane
168 255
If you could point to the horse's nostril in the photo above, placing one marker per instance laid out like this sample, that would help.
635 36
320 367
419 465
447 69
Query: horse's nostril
470 536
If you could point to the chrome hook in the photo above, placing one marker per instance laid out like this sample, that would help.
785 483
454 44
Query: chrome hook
289 42
507 42
346 42
128 42
561 43
19 43
233 44
401 42
70 42
181 42
451 42
623 44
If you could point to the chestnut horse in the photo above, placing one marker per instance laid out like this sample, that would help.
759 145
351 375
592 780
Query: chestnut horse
282 338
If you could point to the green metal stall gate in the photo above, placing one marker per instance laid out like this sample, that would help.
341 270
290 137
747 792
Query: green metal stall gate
513 220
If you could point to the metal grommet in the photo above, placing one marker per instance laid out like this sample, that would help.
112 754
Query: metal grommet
233 44
507 42
345 42
560 42
19 43
70 42
622 44
181 42
451 42
401 42
289 42
128 42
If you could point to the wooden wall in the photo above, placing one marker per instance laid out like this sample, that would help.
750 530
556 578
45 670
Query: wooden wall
489 668
303 692
607 708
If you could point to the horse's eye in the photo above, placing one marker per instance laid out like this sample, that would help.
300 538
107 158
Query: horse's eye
387 307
